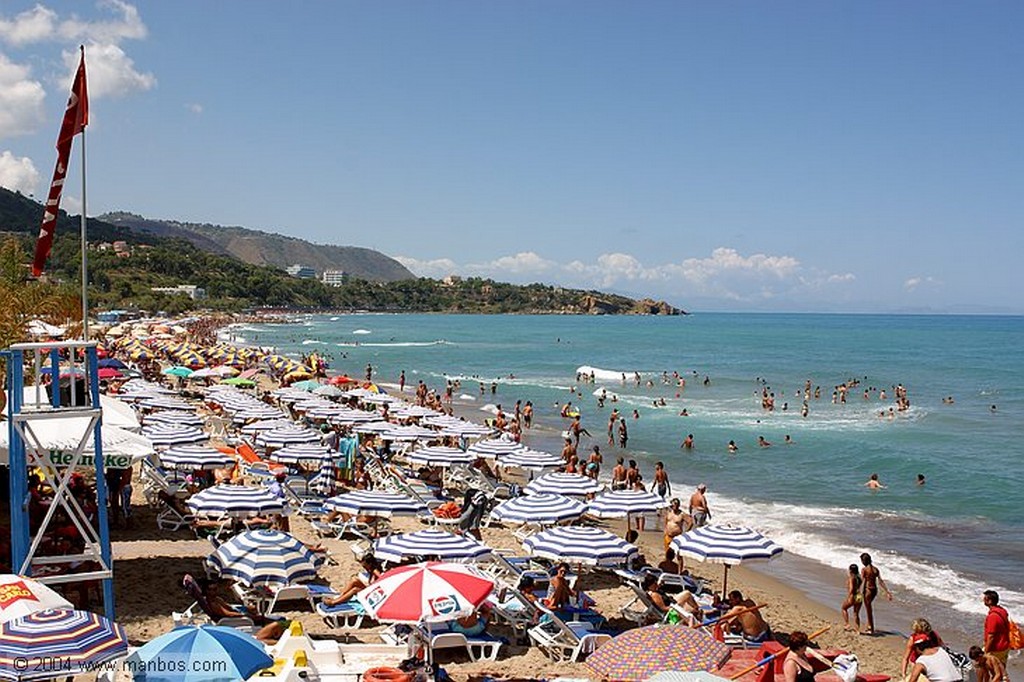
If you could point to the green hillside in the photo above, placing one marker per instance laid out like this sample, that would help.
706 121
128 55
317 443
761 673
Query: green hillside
126 281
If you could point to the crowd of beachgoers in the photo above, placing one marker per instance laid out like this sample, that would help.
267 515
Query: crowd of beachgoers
370 477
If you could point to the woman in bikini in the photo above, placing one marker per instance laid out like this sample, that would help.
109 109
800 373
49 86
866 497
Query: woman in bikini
871 578
854 598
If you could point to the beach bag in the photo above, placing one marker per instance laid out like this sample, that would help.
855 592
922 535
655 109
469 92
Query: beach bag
845 666
1016 639
962 662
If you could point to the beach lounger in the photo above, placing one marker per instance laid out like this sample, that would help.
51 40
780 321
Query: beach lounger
345 616
640 609
566 641
434 637
511 607
156 481
339 529
169 518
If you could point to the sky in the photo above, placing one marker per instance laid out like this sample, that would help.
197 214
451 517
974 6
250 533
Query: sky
788 156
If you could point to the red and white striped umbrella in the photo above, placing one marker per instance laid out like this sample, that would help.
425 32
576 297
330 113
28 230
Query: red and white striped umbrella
433 592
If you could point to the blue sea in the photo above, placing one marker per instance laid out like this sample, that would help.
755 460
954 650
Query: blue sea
938 545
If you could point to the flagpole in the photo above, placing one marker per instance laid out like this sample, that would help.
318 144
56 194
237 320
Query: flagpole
85 253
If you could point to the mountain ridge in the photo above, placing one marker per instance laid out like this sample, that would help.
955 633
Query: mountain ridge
259 247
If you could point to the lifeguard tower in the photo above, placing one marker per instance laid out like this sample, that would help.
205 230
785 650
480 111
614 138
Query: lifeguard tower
77 414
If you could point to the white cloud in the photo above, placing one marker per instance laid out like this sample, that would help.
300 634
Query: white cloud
21 99
31 26
127 26
18 174
41 24
436 269
724 274
194 108
110 71
912 283
525 262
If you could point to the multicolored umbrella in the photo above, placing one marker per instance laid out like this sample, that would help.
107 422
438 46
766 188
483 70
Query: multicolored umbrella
265 557
430 542
434 592
580 544
20 596
58 643
640 653
163 659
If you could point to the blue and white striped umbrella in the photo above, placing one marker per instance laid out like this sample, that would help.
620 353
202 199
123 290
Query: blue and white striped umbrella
293 454
430 542
251 412
165 435
166 403
174 418
255 427
235 500
326 411
580 544
409 433
351 417
563 484
58 643
375 503
375 427
265 557
619 503
238 654
466 430
287 435
544 509
496 447
441 456
532 460
725 545
195 457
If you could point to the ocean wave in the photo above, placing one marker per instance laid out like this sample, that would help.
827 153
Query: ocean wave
606 374
312 342
361 331
817 533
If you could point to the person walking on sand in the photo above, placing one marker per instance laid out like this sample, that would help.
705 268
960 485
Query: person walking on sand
619 475
676 521
661 483
401 382
699 511
871 578
854 598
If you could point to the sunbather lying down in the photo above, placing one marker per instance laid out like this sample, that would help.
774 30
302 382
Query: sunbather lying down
371 571
216 607
334 515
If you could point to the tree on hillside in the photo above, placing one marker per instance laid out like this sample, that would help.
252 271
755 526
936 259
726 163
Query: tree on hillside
23 300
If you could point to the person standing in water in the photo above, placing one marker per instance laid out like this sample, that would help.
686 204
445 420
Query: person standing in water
871 578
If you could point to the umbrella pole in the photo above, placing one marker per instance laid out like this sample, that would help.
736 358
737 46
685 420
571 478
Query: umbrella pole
725 581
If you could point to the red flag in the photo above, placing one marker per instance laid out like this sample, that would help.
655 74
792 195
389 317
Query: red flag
76 117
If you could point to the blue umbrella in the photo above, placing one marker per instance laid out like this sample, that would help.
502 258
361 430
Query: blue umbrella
58 643
113 363
428 542
205 653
